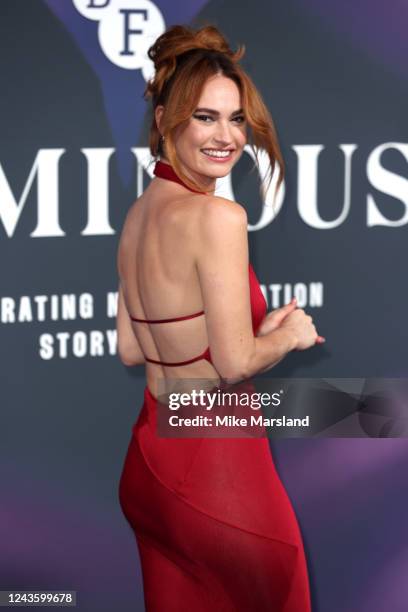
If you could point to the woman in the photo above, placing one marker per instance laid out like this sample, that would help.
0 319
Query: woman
213 524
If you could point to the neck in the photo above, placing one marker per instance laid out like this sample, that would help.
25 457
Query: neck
209 183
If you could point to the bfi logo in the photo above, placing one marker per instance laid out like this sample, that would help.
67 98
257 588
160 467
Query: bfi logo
127 28
45 170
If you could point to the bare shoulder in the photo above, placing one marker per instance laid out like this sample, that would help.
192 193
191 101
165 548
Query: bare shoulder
212 202
221 228
220 215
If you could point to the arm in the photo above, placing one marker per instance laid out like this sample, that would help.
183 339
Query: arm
277 320
222 264
129 350
270 350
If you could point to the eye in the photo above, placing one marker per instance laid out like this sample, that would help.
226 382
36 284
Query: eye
240 119
202 117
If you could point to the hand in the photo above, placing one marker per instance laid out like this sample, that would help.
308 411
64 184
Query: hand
274 319
301 325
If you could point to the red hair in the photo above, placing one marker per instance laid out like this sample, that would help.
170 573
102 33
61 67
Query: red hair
184 59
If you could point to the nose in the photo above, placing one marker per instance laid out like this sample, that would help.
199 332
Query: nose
223 135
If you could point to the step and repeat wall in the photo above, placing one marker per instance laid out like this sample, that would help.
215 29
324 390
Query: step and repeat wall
74 152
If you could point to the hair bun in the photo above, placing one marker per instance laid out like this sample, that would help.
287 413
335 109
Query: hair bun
179 39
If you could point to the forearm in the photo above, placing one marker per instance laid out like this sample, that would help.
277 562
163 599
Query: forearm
269 350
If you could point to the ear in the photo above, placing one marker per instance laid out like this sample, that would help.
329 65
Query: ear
158 113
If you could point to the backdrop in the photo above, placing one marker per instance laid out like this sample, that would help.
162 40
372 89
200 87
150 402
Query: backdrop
73 147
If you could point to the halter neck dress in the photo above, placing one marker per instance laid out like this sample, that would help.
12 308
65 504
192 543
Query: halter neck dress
214 526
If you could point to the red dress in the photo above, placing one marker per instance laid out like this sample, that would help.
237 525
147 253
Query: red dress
213 523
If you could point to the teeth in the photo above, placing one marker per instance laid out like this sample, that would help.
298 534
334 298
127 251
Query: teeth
215 153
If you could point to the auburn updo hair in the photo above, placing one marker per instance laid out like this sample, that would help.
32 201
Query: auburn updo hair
184 59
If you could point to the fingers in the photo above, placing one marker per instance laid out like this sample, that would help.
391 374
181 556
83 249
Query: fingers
293 303
290 305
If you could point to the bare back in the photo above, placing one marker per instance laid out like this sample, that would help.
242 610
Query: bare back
157 267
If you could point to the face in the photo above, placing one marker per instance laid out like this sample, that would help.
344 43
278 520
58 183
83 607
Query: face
215 135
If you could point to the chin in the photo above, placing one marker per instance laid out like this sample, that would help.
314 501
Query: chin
214 174
217 168
222 172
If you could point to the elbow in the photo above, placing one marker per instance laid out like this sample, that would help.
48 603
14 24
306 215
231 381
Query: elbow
130 360
129 363
124 360
237 370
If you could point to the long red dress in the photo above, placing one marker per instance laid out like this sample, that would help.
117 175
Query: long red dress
213 523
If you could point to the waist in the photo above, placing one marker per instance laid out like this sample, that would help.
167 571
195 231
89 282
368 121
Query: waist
230 403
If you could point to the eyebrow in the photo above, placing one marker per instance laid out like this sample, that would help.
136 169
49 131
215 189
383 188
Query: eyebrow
215 112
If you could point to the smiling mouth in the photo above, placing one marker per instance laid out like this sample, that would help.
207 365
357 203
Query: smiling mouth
218 153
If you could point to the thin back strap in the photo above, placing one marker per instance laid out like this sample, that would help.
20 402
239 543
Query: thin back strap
196 314
179 363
